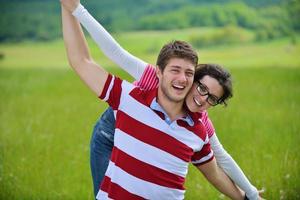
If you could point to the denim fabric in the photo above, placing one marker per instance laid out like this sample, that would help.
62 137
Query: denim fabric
101 147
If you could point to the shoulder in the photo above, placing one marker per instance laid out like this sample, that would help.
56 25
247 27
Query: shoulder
198 128
148 80
143 96
210 129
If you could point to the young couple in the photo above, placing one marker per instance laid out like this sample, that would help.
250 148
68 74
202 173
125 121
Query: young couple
158 131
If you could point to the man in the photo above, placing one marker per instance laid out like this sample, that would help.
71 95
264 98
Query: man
103 133
150 157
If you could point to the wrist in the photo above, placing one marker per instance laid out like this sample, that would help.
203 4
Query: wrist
253 195
78 10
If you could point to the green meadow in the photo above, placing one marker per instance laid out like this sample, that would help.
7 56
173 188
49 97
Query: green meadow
47 116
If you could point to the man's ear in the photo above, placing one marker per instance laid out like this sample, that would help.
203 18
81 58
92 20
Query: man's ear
158 71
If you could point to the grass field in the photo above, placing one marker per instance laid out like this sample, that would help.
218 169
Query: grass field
47 116
146 45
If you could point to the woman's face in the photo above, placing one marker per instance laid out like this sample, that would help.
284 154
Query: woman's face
211 89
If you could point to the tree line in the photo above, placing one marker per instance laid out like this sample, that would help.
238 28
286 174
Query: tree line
40 20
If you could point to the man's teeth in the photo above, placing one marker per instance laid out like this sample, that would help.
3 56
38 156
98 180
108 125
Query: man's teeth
178 86
197 102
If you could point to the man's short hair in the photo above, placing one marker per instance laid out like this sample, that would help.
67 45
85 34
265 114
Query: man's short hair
176 49
220 74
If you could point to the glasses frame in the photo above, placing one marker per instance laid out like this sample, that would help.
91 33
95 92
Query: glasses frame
209 95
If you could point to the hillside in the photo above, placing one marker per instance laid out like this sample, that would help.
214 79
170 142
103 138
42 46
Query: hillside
40 20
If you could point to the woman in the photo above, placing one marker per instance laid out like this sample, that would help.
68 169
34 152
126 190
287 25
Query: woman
212 86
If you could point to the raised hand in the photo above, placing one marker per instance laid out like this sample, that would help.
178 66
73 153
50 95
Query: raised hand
70 5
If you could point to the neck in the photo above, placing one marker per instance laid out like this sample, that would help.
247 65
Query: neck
172 108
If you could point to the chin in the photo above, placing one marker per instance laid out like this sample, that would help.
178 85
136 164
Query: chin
193 109
197 110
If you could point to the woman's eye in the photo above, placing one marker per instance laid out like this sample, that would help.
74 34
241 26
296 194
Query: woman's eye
203 88
213 98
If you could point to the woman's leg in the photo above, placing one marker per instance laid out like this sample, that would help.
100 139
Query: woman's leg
101 146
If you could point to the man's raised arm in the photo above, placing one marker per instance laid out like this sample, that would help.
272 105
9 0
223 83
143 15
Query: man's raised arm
78 53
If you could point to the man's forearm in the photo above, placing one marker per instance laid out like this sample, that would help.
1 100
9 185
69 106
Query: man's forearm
220 180
75 43
79 56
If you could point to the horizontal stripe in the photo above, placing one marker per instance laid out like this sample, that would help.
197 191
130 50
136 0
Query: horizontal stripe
204 159
197 129
154 174
145 115
137 186
205 154
154 137
102 195
114 191
149 154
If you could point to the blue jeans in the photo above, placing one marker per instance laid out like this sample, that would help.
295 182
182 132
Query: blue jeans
101 145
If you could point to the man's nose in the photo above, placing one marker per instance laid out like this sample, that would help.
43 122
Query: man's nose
182 77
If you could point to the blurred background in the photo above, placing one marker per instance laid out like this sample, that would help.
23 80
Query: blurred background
47 114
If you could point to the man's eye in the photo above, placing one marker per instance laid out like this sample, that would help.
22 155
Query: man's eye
190 74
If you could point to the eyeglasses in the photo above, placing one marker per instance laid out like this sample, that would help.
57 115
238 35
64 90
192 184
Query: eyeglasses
203 90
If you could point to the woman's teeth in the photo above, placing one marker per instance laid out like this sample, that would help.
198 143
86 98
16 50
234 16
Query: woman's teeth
197 102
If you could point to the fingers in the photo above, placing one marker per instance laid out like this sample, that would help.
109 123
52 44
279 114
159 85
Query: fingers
70 5
260 193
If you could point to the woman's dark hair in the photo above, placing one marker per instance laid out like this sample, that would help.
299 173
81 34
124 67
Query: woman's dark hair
220 74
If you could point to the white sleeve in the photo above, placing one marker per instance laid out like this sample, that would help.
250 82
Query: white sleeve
231 168
131 64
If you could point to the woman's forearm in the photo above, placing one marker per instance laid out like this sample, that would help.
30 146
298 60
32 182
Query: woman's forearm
231 168
131 64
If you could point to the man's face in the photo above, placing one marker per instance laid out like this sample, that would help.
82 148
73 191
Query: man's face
176 80
211 87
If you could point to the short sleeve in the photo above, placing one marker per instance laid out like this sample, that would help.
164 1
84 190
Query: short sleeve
204 155
112 91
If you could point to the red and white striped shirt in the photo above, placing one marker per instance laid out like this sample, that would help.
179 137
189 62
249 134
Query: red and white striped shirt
150 157
149 81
